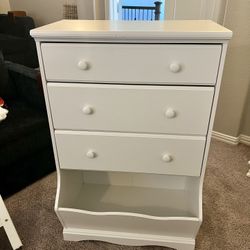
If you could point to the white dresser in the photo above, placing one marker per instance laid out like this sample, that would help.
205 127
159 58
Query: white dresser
131 108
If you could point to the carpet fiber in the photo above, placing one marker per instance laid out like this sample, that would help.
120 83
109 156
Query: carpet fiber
226 209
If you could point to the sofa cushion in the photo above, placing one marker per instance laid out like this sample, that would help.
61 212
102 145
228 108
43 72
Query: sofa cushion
10 44
26 171
23 132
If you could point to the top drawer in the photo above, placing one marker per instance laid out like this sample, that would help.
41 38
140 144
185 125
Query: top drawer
132 63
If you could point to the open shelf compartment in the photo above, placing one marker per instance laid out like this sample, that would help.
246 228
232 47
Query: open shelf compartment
129 202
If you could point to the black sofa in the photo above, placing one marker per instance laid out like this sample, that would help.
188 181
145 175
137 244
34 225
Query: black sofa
25 145
16 43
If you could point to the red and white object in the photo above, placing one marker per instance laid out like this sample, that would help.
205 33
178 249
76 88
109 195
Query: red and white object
3 111
1 102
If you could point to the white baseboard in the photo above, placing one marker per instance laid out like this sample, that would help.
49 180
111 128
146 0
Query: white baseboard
244 139
225 138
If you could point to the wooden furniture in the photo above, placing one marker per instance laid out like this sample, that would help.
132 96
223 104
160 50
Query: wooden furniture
15 13
131 109
7 224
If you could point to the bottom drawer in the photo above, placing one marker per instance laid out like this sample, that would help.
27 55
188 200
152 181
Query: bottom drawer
127 152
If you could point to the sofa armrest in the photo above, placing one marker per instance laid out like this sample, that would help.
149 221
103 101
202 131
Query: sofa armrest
27 83
7 88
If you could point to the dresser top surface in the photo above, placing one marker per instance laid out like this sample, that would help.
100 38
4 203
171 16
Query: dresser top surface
115 30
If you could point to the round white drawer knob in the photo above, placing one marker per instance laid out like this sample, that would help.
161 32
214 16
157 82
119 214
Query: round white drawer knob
91 154
87 110
83 65
175 67
170 113
167 158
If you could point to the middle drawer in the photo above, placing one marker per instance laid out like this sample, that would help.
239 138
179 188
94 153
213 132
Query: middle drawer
145 109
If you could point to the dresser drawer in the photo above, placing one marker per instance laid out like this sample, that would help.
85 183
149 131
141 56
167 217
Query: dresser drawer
126 152
156 109
131 63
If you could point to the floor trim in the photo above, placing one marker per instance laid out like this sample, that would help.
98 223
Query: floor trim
244 139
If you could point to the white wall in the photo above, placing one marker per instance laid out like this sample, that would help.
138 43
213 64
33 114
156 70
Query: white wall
99 9
195 9
85 9
233 112
188 9
245 124
42 11
48 11
4 6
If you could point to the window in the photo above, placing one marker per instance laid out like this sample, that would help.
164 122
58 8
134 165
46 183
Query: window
137 10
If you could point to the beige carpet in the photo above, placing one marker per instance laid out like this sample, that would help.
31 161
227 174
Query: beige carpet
226 209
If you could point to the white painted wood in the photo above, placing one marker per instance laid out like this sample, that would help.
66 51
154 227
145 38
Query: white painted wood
98 193
209 135
46 98
132 179
7 224
93 204
153 203
194 190
141 30
170 227
130 152
225 138
244 139
125 225
122 108
131 63
132 239
170 182
135 41
132 215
